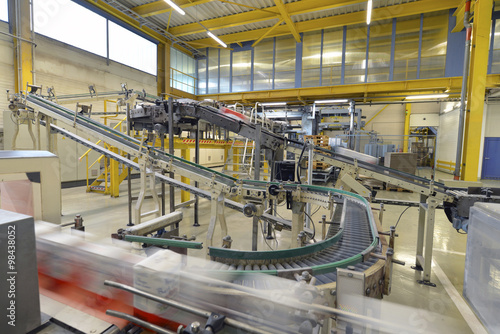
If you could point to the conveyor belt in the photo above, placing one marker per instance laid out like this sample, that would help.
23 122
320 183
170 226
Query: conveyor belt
347 243
356 240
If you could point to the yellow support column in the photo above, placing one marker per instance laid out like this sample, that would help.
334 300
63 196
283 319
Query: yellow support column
185 154
23 49
163 69
236 159
407 127
477 86
114 172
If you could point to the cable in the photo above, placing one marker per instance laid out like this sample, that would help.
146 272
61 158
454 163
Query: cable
314 226
264 236
298 163
401 216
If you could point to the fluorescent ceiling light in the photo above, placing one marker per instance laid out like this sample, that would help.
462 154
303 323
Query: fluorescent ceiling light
331 101
369 12
174 6
274 104
425 97
217 39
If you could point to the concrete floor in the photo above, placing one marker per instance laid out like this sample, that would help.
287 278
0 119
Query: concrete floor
438 309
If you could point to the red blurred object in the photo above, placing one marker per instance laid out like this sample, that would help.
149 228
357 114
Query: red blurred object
233 114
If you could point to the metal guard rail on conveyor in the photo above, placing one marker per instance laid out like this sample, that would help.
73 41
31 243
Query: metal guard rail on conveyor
348 244
130 145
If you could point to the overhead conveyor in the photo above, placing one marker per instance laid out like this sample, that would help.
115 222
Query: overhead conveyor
223 187
339 250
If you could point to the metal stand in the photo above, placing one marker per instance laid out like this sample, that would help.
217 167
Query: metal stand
297 223
129 172
197 161
147 171
426 218
217 213
171 148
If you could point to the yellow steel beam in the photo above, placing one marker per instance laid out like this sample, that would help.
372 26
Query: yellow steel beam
293 8
267 32
23 49
378 14
407 127
185 195
477 86
428 86
288 20
459 14
378 113
160 7
163 69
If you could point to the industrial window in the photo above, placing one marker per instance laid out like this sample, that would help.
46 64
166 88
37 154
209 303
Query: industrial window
434 42
213 71
332 57
225 70
379 52
263 65
406 50
202 73
4 10
182 71
495 62
355 55
131 49
242 71
311 59
284 76
68 22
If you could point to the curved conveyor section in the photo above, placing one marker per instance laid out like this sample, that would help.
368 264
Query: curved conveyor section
346 244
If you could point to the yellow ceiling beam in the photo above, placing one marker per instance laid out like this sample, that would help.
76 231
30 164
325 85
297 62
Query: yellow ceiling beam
267 32
288 20
378 14
160 7
355 90
294 8
459 14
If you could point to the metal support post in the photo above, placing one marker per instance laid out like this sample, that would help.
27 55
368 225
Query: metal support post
129 173
114 175
255 232
407 128
297 223
216 213
425 237
309 181
258 131
171 148
162 140
358 127
352 111
185 195
197 161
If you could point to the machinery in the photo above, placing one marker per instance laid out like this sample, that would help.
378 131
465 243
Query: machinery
350 235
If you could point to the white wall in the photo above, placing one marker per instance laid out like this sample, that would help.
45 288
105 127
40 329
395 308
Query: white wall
447 135
6 70
70 71
390 123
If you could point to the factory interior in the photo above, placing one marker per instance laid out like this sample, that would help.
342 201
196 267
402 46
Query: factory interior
249 166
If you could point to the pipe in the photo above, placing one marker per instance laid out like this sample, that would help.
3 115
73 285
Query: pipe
139 322
461 121
183 307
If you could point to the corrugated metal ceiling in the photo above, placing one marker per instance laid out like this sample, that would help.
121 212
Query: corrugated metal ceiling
207 10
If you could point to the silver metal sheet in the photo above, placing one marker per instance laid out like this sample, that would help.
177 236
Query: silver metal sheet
356 155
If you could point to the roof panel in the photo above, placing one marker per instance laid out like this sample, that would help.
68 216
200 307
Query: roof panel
217 9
